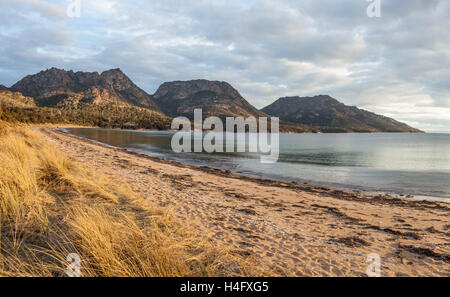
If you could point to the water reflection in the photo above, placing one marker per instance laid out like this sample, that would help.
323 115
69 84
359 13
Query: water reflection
416 164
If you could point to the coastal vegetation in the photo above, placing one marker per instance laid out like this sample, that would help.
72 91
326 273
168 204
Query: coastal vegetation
88 115
51 207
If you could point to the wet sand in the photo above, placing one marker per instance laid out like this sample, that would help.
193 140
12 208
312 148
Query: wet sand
294 229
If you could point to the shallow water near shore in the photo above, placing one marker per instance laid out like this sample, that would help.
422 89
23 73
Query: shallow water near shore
412 164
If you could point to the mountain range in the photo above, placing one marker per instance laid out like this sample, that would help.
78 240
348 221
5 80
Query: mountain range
111 99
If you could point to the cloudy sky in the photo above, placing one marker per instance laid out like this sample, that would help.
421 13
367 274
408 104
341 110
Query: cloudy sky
397 65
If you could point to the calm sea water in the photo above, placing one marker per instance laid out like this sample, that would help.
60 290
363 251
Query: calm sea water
416 164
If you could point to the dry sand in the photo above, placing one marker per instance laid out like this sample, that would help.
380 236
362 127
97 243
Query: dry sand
294 229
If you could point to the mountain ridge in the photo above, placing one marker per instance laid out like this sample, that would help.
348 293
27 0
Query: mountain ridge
326 111
108 100
109 95
52 86
215 98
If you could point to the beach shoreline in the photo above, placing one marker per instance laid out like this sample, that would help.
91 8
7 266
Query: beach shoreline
306 185
300 228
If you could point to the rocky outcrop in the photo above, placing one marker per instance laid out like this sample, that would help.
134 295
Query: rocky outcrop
215 98
56 86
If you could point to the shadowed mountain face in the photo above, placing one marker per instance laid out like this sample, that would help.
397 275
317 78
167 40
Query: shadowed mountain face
180 98
55 87
325 111
3 88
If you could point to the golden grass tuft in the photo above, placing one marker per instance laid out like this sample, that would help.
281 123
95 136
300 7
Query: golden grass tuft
51 207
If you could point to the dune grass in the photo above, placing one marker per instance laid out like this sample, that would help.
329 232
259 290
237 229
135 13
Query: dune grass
51 207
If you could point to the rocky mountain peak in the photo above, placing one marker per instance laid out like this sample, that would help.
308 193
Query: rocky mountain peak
54 80
177 90
116 79
215 98
316 99
111 84
325 111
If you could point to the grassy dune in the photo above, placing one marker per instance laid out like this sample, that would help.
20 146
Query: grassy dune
51 206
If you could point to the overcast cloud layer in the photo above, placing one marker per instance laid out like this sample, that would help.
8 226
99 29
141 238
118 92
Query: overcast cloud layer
397 65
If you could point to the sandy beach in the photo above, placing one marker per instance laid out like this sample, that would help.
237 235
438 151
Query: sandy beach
293 229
